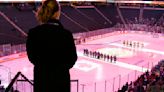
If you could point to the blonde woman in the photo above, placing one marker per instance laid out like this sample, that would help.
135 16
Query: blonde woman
51 49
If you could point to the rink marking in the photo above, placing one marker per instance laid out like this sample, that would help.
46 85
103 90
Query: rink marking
85 66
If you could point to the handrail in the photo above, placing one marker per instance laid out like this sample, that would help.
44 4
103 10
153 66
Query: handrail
9 87
77 84
15 79
12 82
26 79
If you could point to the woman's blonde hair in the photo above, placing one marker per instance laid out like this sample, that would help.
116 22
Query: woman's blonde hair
47 11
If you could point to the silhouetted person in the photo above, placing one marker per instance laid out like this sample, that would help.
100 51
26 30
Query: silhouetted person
51 49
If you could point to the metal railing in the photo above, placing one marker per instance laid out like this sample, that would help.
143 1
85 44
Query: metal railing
22 84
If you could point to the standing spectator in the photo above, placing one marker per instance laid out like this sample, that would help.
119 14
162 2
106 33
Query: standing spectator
51 49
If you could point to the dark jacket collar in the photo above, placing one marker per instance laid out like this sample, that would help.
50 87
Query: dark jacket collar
55 22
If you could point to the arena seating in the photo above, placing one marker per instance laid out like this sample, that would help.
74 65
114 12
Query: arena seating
79 20
130 14
74 19
8 33
86 25
24 19
152 81
110 12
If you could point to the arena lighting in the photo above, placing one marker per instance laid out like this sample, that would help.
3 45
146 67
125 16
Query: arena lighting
109 1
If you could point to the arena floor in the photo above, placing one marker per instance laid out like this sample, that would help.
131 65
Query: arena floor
99 75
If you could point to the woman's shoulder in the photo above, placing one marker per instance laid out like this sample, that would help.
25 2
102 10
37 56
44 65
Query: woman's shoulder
36 29
46 28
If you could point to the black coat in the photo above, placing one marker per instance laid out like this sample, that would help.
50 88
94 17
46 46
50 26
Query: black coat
51 49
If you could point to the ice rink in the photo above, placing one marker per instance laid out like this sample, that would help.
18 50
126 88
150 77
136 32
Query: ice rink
99 75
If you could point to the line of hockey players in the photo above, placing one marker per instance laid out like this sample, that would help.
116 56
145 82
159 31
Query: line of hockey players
133 44
99 55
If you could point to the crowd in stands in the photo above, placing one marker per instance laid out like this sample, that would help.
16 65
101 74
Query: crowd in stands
149 25
148 21
145 5
150 81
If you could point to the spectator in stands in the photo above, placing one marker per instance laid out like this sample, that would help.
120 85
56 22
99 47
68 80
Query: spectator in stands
51 49
152 81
